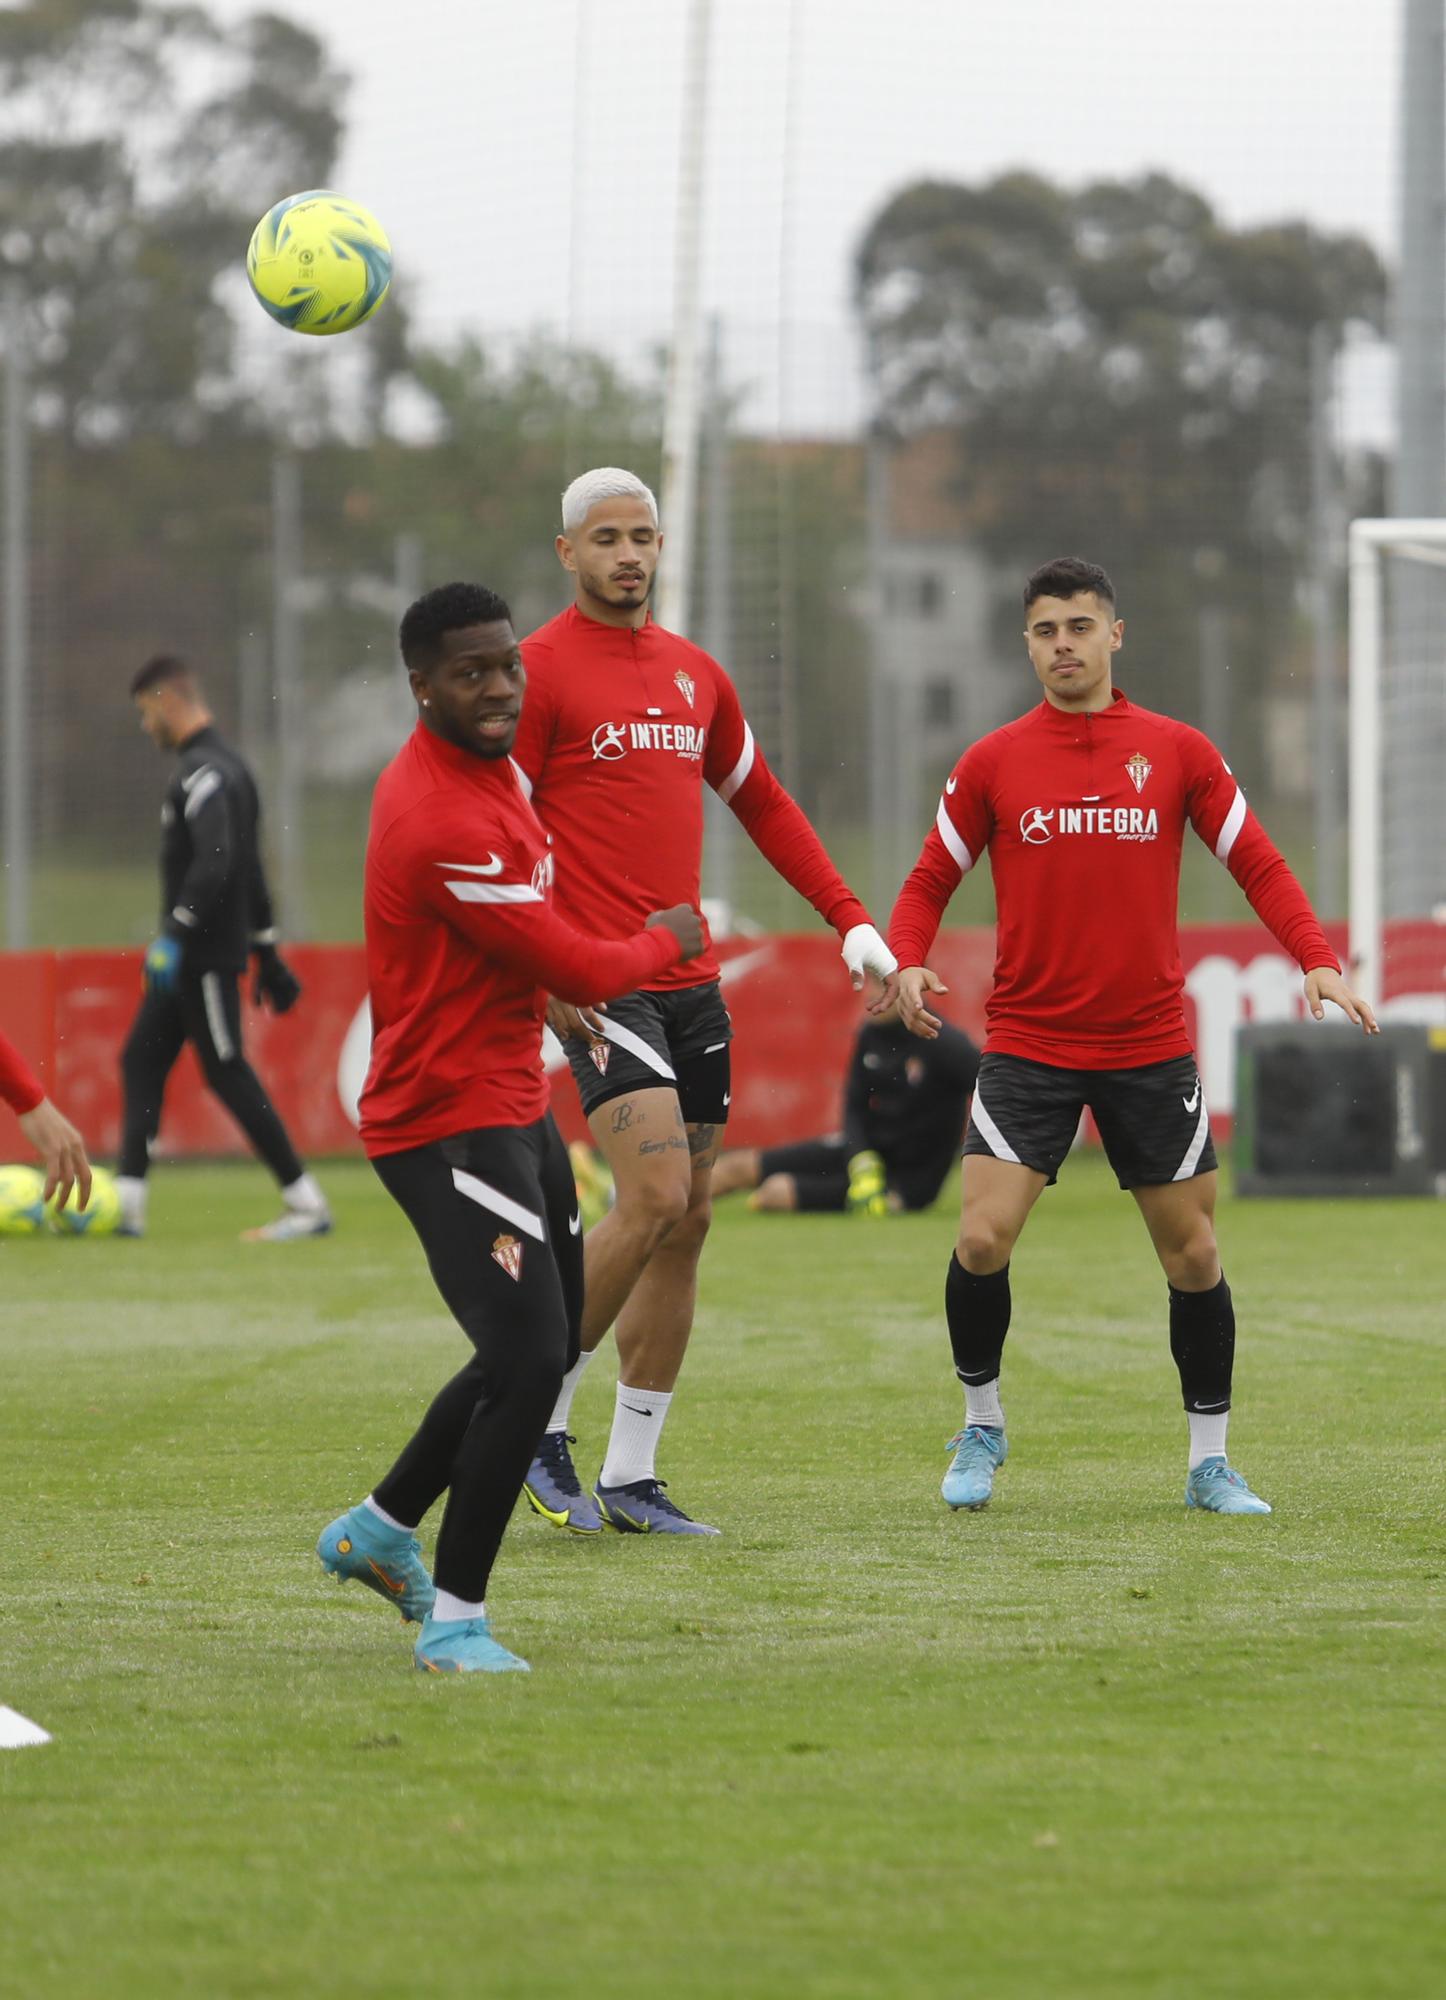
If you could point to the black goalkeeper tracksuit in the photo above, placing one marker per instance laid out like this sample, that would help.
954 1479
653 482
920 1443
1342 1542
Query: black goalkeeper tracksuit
906 1100
216 903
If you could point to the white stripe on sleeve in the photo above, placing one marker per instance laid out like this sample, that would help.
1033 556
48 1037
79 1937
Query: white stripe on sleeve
740 770
990 1133
495 892
207 782
522 778
949 834
1234 820
487 1196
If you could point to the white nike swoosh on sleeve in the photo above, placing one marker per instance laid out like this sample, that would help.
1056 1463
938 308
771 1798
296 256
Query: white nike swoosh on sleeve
491 866
952 787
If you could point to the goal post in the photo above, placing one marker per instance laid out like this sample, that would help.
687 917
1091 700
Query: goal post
1397 751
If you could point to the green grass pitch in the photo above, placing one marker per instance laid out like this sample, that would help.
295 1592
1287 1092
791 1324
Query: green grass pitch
1083 1744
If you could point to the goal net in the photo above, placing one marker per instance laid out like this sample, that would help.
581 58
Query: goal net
1397 834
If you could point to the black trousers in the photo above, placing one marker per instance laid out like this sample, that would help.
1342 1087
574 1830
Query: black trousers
204 1010
496 1211
820 1170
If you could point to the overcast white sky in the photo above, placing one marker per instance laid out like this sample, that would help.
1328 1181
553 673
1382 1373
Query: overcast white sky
522 155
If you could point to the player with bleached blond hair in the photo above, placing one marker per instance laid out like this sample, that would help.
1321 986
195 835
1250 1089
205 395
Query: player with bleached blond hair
624 725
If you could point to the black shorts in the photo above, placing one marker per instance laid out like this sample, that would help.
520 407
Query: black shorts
1152 1120
820 1173
497 1213
655 1041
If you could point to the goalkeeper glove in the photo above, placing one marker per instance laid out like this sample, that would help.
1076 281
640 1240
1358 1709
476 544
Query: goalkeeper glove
275 982
163 964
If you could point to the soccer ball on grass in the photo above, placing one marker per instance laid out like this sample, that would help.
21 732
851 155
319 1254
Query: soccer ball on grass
22 1210
100 1214
319 263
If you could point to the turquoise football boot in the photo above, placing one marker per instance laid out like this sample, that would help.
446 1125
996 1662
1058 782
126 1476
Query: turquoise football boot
1213 1486
387 1560
463 1646
979 1451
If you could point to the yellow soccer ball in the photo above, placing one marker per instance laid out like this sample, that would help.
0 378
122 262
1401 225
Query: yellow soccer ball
100 1215
319 263
22 1211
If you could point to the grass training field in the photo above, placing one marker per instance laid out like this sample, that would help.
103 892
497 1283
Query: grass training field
1082 1744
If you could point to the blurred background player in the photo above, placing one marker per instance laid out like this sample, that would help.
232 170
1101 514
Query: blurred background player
215 916
1082 805
624 723
462 939
905 1103
55 1139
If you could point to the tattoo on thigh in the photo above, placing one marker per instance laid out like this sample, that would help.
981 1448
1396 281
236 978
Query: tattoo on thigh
622 1116
702 1139
662 1146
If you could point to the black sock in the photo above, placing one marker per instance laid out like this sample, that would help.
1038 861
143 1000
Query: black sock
1202 1340
978 1313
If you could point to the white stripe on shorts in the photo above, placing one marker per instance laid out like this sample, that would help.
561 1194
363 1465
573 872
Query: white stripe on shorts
636 1046
487 1196
990 1133
1191 1160
221 1040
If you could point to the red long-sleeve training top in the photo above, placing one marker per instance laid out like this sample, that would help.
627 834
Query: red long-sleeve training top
463 946
619 731
20 1088
1083 817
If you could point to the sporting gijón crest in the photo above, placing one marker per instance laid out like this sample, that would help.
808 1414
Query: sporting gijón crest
507 1252
686 685
1139 768
600 1051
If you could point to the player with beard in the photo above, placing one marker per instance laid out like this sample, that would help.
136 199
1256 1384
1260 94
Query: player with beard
624 724
1082 805
215 916
461 941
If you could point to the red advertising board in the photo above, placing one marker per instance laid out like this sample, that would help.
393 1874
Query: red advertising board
794 1016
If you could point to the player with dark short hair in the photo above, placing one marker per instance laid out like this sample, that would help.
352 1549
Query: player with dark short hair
905 1102
215 917
463 945
1082 806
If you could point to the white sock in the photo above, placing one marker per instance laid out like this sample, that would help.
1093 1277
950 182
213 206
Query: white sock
981 1404
303 1194
562 1408
448 1607
131 1190
1207 1434
637 1425
402 1527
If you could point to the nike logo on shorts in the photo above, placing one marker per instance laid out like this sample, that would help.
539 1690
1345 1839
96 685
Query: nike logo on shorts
574 1224
1192 1102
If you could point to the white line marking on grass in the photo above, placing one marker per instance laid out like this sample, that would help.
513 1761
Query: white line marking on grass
17 1732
